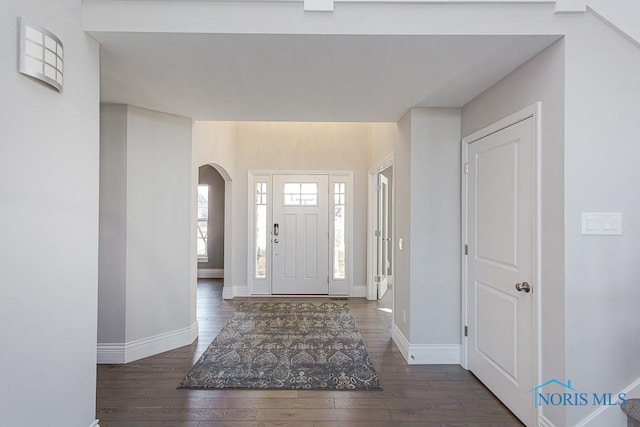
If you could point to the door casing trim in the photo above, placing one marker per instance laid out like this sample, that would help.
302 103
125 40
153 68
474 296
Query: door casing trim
372 220
254 176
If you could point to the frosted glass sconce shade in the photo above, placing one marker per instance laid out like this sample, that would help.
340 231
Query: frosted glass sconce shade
40 54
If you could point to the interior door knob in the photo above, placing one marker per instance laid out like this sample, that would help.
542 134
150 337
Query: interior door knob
276 241
523 287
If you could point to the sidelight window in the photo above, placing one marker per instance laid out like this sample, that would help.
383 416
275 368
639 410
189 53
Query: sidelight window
261 230
339 246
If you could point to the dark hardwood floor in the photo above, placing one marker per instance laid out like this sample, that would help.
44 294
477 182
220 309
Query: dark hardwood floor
144 394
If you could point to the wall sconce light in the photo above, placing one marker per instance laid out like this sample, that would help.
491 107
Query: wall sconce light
40 54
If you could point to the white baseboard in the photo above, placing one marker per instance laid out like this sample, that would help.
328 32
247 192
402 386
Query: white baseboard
240 291
230 292
227 292
211 273
425 354
95 424
434 354
611 415
118 353
111 353
401 341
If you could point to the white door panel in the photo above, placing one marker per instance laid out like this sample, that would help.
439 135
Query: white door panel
500 227
301 245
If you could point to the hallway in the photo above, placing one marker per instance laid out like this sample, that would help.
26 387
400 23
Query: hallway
144 394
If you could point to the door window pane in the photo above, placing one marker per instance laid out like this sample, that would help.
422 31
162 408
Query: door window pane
339 195
300 194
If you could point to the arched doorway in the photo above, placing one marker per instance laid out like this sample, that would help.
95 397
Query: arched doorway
210 223
228 219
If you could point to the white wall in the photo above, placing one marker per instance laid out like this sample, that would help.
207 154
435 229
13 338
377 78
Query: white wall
146 303
427 218
620 15
112 269
435 226
539 80
601 174
49 219
402 215
158 223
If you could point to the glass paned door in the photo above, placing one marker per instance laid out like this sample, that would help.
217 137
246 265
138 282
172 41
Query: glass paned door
300 234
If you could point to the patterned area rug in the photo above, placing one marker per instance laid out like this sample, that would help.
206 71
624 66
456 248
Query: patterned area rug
286 346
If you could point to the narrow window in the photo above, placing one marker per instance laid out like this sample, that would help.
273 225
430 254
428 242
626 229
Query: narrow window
203 219
261 230
339 195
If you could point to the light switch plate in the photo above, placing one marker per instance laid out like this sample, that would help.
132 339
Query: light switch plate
602 223
401 244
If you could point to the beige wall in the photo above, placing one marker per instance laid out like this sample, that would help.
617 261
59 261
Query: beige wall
383 138
273 146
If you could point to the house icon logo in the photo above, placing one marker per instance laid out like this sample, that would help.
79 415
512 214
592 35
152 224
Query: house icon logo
555 381
563 394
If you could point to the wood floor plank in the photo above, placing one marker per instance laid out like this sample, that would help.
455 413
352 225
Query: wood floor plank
452 415
144 393
149 423
174 414
204 402
443 403
322 414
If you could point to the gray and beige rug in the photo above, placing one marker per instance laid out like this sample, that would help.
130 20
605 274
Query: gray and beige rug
286 346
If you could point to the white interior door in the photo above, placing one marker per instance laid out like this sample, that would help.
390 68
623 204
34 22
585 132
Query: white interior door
383 235
500 230
300 234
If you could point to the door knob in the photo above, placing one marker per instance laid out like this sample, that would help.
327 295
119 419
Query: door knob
523 287
276 240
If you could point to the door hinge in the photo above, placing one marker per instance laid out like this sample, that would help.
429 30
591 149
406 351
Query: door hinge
466 168
466 249
327 280
466 330
377 233
376 279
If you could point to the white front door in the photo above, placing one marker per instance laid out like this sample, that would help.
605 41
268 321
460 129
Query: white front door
383 235
500 264
300 234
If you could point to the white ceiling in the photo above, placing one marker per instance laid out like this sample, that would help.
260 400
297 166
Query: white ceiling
304 77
